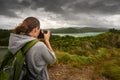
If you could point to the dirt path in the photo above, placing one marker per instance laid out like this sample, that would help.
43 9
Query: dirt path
64 72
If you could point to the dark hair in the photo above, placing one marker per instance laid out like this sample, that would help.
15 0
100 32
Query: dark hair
27 25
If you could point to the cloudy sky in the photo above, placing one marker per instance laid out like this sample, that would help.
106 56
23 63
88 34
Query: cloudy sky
61 13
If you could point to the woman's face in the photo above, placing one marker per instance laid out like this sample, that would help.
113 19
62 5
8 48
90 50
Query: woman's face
37 31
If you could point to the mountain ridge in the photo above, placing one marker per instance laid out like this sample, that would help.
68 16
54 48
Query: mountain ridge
78 30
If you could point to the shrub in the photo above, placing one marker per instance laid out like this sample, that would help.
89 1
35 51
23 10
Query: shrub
111 71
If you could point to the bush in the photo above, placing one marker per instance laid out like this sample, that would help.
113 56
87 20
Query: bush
111 71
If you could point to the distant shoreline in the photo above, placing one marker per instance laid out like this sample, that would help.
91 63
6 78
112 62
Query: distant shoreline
80 34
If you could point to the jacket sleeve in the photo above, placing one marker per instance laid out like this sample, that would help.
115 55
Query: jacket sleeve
47 55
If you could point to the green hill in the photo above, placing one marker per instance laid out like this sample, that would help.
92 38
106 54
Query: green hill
78 30
4 37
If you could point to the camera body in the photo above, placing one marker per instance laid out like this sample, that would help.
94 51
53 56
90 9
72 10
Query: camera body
42 32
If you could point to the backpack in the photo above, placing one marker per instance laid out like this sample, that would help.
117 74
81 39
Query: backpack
12 66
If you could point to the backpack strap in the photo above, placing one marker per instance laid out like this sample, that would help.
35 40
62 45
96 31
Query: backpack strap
20 55
21 59
28 46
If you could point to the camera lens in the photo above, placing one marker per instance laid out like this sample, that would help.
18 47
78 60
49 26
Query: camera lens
45 31
42 32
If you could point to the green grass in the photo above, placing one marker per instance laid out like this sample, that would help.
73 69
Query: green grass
111 71
76 60
2 52
106 61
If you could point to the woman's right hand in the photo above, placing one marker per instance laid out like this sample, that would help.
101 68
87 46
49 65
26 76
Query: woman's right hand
47 36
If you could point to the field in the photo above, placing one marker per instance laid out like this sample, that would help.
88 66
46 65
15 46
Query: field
85 58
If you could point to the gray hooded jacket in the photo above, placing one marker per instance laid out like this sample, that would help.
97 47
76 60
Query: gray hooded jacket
37 56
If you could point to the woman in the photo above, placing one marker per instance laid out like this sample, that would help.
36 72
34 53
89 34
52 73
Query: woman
39 55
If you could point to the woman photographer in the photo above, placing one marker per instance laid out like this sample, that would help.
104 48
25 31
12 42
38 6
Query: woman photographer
38 56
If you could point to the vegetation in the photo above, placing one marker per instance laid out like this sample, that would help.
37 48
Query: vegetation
4 37
101 51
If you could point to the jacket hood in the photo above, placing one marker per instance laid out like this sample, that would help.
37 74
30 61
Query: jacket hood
17 41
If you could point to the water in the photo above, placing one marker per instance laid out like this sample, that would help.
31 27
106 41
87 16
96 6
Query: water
80 34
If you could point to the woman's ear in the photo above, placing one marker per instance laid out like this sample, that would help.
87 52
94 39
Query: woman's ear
35 29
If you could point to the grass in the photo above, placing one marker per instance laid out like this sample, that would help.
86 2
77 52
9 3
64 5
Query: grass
106 61
76 60
111 71
2 52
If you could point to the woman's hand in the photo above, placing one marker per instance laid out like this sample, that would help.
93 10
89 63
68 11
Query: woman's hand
47 38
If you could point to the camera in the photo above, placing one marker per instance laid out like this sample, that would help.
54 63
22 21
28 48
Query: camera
42 32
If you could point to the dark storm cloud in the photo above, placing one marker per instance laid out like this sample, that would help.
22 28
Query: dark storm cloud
78 6
97 6
49 5
5 9
8 7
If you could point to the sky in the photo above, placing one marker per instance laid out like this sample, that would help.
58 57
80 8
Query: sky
61 13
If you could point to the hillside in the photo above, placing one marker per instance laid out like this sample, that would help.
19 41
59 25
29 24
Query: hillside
88 58
85 58
78 30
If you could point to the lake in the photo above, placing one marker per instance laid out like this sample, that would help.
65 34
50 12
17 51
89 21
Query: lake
80 34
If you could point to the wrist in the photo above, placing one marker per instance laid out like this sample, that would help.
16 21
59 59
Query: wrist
47 41
48 45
